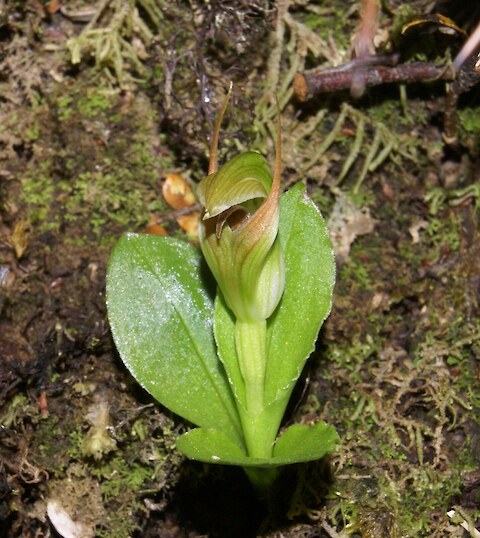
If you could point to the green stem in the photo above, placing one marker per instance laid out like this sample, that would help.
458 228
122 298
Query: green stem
250 341
261 479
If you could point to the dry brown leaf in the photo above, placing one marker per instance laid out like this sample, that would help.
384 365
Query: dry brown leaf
189 223
155 229
177 192
434 21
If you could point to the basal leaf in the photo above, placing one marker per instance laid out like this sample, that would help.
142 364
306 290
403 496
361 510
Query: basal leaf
307 299
211 446
160 313
306 443
299 443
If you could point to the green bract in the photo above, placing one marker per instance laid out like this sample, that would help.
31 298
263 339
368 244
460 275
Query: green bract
227 361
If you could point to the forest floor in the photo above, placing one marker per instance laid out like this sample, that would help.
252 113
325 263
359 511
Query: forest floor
99 102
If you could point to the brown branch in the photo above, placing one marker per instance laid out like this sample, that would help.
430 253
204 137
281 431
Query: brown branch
306 85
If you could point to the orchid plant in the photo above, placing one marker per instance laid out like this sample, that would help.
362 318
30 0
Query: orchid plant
227 359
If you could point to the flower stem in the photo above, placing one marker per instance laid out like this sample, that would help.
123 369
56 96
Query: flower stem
251 344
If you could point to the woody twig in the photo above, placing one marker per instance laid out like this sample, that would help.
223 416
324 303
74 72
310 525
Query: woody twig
374 71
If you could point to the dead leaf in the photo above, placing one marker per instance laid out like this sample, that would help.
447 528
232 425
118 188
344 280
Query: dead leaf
415 229
177 192
18 240
434 21
346 223
189 223
53 7
155 229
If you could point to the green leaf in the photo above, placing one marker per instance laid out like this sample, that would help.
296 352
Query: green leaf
299 443
211 446
160 313
224 331
307 299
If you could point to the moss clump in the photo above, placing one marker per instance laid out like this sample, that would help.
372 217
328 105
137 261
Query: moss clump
117 37
469 123
118 477
101 174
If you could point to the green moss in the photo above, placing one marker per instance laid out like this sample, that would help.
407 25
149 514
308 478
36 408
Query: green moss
38 191
95 101
330 22
65 106
120 524
404 376
16 412
122 480
131 476
100 180
137 467
102 198
356 272
33 132
469 120
52 444
118 37
444 232
76 438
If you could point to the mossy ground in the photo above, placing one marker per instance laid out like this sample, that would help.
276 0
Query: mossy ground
83 149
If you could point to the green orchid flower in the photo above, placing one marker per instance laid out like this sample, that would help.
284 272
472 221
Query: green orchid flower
238 235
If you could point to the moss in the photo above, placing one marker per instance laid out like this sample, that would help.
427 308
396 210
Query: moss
65 105
33 132
79 495
95 101
53 444
328 22
117 475
124 478
16 412
38 191
357 272
381 470
108 178
118 479
116 38
444 232
469 120
402 367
